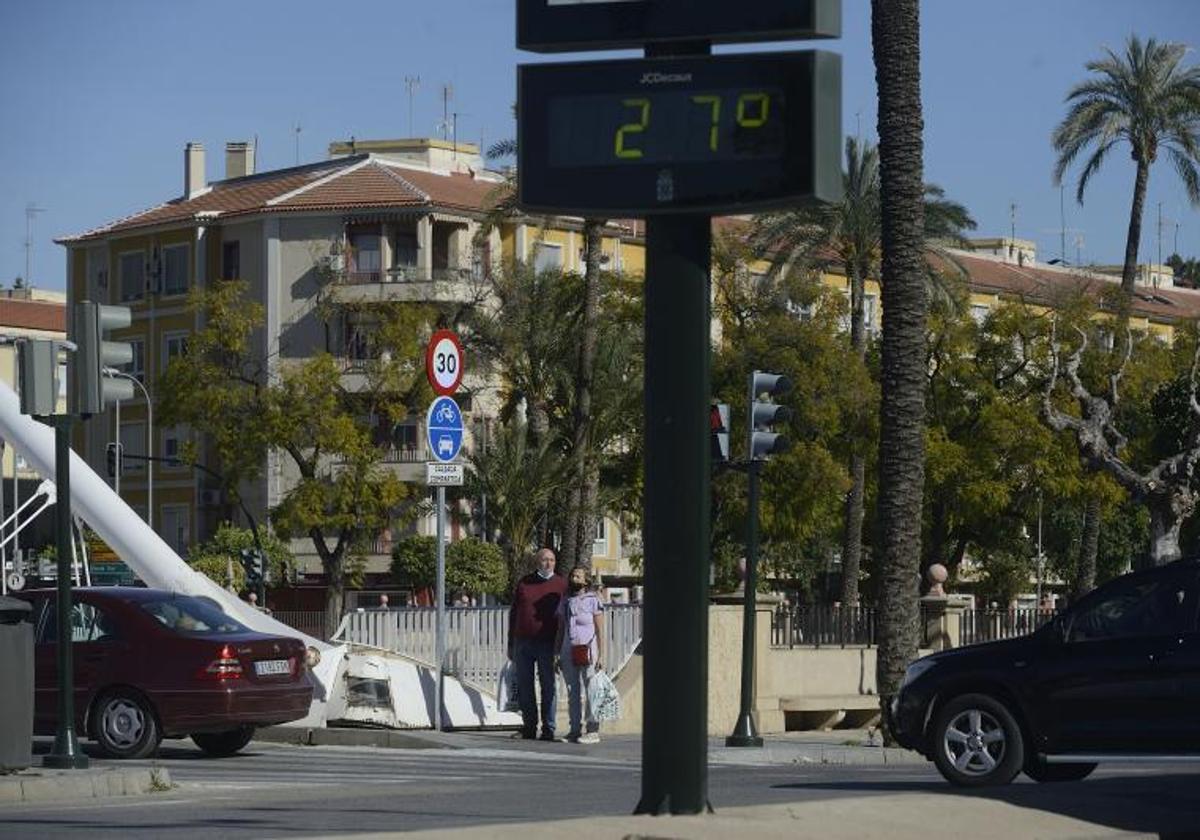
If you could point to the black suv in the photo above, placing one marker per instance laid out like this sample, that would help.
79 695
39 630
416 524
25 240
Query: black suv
1114 677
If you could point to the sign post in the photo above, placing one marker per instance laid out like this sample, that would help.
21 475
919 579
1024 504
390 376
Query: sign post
444 431
675 138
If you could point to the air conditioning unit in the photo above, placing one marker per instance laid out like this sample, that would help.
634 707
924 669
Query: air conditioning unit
210 498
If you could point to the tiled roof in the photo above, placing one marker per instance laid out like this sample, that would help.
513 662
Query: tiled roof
33 315
348 183
1042 284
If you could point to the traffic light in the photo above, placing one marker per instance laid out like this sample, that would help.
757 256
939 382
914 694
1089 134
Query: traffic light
37 366
719 422
761 443
90 389
255 567
116 459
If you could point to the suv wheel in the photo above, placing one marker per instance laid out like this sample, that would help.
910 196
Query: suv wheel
1040 771
124 725
977 742
222 744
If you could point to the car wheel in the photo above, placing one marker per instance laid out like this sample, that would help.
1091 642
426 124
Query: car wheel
1040 771
977 742
124 725
222 744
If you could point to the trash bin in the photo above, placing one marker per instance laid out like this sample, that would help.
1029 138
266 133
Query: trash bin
16 685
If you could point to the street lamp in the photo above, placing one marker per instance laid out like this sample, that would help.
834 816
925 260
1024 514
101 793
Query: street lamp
149 439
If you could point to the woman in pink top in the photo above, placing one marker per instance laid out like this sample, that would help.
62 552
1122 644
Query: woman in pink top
581 650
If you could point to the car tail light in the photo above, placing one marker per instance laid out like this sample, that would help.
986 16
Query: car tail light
225 667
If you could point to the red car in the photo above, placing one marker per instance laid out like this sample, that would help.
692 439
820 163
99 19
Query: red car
151 664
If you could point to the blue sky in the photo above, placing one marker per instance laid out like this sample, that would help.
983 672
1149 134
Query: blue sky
99 98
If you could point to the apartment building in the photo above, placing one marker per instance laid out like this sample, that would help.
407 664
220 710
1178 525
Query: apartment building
377 222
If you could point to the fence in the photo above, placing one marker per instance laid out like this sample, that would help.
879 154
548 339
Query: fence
991 625
476 637
310 622
821 625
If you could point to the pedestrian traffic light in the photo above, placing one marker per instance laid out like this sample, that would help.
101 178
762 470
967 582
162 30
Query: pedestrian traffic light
90 390
37 367
719 421
761 443
116 459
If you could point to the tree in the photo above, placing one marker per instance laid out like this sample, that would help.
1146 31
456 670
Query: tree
848 233
472 566
218 557
224 389
1145 98
895 42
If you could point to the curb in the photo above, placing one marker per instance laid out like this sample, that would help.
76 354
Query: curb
50 785
391 738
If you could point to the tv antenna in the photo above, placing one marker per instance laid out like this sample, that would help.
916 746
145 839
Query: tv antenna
411 83
447 95
31 210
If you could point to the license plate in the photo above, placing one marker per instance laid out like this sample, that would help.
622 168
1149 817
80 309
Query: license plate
267 667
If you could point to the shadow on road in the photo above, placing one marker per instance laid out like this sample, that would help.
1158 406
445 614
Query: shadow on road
1163 803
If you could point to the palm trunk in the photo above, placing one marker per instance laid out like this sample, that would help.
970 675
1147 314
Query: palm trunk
1129 270
852 535
895 41
1085 574
853 517
581 445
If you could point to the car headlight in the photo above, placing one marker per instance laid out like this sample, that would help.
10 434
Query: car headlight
915 670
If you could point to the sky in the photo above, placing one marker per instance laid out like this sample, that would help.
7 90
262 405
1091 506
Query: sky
99 97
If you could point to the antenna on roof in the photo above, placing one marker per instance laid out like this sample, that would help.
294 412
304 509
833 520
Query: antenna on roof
411 83
447 95
31 210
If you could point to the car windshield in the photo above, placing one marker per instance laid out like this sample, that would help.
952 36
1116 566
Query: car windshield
191 616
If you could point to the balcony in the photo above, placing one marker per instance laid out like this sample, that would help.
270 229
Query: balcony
406 283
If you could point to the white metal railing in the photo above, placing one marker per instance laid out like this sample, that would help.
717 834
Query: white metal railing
476 637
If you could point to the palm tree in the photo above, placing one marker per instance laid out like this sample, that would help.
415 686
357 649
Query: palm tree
1147 99
896 45
850 231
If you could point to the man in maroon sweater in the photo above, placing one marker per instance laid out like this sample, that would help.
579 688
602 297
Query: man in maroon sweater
532 626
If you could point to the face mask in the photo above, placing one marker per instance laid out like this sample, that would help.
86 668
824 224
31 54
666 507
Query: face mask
576 587
545 575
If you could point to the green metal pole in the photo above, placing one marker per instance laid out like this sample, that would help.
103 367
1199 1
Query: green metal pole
676 522
65 754
745 732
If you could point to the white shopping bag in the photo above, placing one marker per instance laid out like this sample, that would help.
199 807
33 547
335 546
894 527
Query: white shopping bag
506 689
604 698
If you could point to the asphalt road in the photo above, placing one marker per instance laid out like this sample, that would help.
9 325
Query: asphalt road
277 790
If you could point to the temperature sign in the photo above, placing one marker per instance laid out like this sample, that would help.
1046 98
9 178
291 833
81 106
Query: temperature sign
444 362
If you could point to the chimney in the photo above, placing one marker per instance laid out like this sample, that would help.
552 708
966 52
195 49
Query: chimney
239 160
193 169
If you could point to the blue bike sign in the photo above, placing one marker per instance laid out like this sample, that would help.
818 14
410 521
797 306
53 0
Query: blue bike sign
444 429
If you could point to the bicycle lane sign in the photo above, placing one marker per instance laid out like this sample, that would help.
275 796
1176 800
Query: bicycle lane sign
444 429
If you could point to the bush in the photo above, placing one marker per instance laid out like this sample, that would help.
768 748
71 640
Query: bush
472 566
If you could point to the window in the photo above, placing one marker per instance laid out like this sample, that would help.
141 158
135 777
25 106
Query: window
175 269
547 257
406 435
979 312
404 249
173 527
600 537
133 280
173 439
137 368
193 616
1155 606
89 623
231 260
174 344
133 442
366 254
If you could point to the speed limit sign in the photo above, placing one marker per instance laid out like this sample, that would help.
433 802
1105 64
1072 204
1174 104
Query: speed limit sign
444 362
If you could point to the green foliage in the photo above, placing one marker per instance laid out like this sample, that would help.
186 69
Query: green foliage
216 557
472 566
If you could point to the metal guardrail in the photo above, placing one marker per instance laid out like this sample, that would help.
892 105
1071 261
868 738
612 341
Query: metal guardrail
310 622
476 637
822 625
405 274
